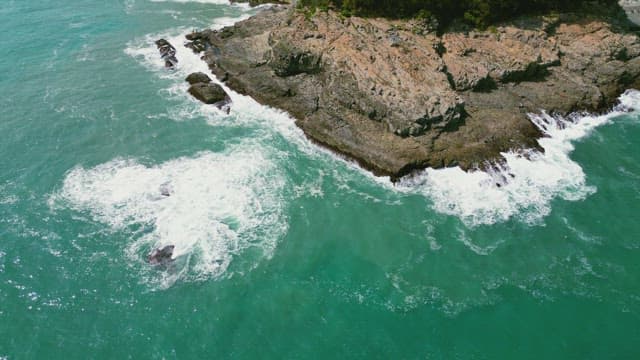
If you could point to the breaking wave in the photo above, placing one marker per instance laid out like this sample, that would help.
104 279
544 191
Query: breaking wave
212 207
524 186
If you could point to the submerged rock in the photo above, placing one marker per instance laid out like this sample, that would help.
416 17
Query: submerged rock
166 190
161 256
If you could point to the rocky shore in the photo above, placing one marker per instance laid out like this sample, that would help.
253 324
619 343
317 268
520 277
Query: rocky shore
397 97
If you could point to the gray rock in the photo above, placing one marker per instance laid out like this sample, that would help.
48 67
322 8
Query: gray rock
168 53
162 256
210 93
198 77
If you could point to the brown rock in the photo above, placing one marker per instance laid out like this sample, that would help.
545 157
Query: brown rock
421 100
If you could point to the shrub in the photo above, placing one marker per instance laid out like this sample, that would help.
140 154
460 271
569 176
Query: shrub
477 13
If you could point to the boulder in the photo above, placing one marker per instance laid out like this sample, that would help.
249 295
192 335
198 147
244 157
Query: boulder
210 93
198 77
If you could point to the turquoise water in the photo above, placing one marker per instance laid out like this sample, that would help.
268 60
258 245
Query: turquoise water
284 250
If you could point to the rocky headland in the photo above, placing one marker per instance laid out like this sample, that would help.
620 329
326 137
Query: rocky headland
396 96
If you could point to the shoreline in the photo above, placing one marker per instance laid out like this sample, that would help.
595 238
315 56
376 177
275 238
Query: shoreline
420 100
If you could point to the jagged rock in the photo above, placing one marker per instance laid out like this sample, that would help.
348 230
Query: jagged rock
198 41
168 53
478 60
287 60
196 46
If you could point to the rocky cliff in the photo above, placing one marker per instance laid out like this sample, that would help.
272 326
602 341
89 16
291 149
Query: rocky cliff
397 97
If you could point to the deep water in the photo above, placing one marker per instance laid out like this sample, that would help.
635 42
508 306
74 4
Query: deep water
283 249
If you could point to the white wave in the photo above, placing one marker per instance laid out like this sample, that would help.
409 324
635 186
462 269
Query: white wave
525 186
218 206
244 5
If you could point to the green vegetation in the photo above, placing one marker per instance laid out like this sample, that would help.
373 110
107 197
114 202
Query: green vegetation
477 13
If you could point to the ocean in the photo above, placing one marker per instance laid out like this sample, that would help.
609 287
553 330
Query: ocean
284 250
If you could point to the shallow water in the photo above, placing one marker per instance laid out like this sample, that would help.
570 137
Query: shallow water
284 250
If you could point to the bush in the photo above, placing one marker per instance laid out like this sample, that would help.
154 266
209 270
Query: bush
477 13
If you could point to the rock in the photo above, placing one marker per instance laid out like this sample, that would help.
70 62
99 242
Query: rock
198 41
161 256
198 77
210 93
479 61
428 100
206 91
166 189
287 60
196 46
168 53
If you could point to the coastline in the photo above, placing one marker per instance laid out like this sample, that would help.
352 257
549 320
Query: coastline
397 100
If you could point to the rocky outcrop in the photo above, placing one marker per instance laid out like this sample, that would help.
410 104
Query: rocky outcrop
168 53
206 91
396 99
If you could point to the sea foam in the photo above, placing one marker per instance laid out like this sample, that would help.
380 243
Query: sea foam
219 205
211 206
524 186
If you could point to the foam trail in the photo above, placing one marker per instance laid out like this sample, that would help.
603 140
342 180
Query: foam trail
217 206
525 185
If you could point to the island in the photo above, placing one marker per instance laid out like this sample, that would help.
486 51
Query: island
400 93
